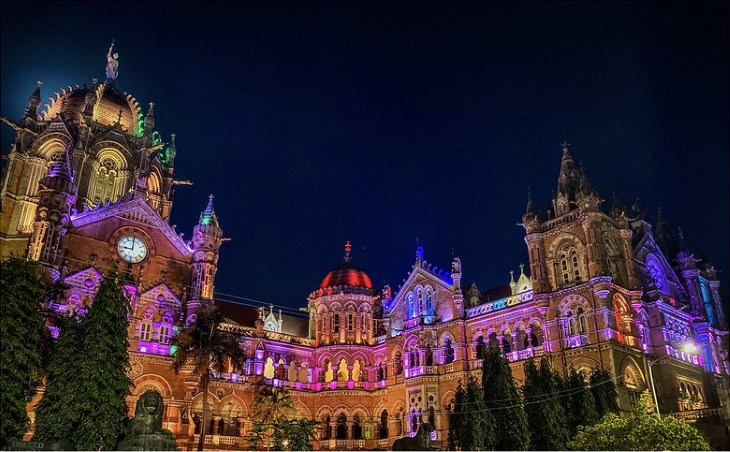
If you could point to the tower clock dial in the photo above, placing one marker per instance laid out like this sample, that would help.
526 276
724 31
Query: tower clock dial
132 249
656 272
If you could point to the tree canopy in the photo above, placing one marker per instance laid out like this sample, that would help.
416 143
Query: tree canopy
504 401
641 431
545 414
471 425
103 366
21 325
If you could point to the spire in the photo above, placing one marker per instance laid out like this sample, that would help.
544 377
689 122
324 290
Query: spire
31 111
208 215
149 119
531 210
617 209
664 237
348 248
569 181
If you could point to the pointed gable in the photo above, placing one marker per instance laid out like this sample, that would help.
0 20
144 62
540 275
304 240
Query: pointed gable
135 210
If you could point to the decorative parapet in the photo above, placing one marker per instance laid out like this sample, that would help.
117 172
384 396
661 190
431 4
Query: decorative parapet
499 304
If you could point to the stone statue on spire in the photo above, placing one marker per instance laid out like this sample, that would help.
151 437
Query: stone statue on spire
112 63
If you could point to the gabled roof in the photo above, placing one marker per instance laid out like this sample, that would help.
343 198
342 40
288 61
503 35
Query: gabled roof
135 209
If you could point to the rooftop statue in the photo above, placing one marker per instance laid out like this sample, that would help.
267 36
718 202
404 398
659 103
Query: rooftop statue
112 63
144 431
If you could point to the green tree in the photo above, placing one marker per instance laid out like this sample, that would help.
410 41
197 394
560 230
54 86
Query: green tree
21 324
256 435
503 399
300 433
578 402
545 413
271 404
103 366
471 425
604 392
642 431
59 411
205 346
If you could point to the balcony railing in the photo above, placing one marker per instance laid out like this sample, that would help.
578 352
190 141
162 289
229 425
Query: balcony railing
696 415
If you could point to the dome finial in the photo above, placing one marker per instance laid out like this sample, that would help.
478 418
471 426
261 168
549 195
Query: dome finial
348 248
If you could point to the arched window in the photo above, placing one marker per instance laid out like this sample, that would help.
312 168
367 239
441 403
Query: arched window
448 351
567 266
350 321
341 426
493 342
145 331
327 430
356 427
329 373
269 368
398 363
336 321
164 334
421 307
480 346
383 426
428 355
506 343
410 304
430 309
582 323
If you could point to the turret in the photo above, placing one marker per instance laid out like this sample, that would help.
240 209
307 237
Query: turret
31 110
207 238
568 184
345 305
57 194
691 275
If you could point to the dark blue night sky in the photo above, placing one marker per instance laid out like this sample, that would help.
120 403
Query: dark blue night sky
379 123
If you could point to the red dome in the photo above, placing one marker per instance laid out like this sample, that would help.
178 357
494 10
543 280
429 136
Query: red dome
346 275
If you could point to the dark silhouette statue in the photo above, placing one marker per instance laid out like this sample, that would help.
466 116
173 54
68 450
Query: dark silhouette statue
421 441
144 431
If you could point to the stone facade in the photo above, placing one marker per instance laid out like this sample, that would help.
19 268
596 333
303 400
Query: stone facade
88 184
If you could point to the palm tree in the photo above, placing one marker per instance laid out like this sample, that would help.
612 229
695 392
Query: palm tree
270 404
205 346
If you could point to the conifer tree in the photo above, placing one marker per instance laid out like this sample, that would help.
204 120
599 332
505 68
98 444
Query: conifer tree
604 392
503 400
471 425
545 413
21 324
103 367
578 402
59 411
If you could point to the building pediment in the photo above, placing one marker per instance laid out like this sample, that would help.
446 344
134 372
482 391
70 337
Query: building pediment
134 210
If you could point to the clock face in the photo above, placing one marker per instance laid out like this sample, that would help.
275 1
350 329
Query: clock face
656 272
132 249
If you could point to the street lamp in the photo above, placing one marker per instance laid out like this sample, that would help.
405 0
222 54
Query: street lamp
687 347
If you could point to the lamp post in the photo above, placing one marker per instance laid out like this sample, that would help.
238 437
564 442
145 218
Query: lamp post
687 347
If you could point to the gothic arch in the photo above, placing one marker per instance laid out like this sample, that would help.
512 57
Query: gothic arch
153 381
572 302
631 374
51 144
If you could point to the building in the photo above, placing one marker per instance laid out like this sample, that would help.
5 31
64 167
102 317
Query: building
89 184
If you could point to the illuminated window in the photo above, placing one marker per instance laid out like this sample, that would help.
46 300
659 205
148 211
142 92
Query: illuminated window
145 331
164 334
430 310
411 307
